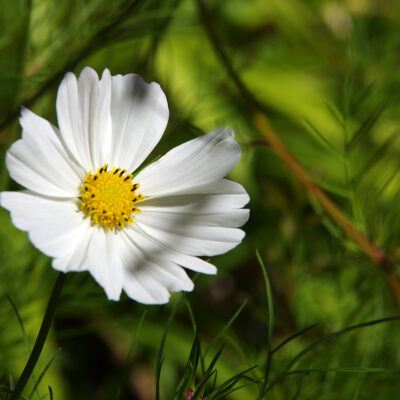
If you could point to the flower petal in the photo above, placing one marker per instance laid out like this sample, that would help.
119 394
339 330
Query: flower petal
104 261
200 161
228 219
218 196
190 239
143 288
139 113
83 111
75 260
101 253
40 162
196 224
152 247
55 226
149 274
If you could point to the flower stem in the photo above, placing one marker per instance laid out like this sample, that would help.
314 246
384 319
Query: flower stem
41 338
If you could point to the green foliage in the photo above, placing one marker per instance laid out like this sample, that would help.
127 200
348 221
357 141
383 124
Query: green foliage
326 73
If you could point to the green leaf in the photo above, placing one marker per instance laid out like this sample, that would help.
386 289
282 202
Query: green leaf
26 341
41 376
128 357
191 368
271 322
365 127
160 359
323 340
225 328
291 337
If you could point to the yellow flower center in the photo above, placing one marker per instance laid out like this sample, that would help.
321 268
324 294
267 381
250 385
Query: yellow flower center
109 197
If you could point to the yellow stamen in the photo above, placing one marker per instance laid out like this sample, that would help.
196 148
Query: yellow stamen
109 197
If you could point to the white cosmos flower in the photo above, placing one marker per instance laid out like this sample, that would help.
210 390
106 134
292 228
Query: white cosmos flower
82 207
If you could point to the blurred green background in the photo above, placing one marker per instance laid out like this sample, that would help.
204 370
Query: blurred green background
327 74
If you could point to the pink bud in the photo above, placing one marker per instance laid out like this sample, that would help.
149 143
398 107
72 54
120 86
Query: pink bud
190 393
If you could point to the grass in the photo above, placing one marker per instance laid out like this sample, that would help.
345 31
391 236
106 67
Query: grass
311 314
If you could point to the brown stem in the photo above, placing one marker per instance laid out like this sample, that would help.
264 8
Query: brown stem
376 254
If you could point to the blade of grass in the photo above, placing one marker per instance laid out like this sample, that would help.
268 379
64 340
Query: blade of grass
232 390
227 386
191 367
208 374
375 158
213 385
366 127
343 370
271 322
300 387
158 377
387 182
225 328
323 340
194 326
41 338
160 360
191 315
330 187
26 340
47 366
51 393
128 357
334 153
291 337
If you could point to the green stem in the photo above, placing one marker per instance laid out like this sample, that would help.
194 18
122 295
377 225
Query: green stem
41 338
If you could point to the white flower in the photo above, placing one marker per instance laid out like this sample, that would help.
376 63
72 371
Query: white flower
83 208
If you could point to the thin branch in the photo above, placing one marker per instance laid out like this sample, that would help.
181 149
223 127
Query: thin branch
258 111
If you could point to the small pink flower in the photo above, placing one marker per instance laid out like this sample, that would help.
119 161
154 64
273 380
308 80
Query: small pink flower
190 394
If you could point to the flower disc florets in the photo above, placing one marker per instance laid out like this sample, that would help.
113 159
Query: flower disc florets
109 197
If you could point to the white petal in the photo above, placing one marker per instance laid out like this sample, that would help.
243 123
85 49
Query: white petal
193 263
101 253
54 225
139 114
193 240
95 100
137 283
104 261
154 248
155 253
214 197
75 260
83 110
40 162
200 161
193 225
150 272
145 289
228 219
173 277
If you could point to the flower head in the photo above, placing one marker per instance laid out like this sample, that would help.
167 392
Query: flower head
84 207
